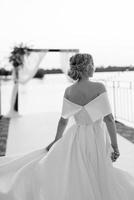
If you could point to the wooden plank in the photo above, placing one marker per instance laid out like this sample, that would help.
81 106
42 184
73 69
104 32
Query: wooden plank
54 50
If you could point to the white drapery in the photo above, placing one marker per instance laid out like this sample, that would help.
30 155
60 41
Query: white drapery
26 73
29 69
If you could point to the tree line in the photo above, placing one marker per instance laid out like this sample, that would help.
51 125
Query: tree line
41 72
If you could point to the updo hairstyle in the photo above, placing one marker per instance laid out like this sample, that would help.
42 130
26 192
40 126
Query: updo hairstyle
79 65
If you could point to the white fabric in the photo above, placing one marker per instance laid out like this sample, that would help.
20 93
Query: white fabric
30 67
78 166
26 73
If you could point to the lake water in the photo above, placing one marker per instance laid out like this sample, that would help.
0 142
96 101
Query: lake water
46 95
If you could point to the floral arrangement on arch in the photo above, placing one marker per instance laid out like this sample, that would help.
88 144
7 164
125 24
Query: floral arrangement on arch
17 55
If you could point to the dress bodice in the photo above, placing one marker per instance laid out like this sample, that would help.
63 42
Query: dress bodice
89 113
82 117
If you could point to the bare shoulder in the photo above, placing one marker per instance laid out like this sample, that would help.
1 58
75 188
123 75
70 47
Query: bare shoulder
100 87
66 93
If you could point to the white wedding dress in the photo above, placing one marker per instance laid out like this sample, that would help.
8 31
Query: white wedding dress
77 167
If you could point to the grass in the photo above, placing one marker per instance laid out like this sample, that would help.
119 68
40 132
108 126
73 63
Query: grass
125 131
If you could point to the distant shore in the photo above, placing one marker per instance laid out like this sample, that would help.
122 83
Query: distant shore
41 72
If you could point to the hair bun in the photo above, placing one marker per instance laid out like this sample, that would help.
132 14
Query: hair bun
74 74
78 64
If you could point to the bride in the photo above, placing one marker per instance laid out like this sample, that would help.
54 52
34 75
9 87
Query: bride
77 164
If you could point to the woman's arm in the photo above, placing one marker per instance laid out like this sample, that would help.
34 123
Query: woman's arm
109 120
61 126
62 121
110 123
60 129
111 126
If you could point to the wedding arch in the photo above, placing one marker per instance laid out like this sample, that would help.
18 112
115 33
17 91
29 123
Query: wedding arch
31 63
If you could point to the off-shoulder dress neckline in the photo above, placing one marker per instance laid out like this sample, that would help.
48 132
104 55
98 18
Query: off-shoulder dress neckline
96 98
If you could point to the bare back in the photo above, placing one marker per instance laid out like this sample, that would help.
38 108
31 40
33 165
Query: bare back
84 92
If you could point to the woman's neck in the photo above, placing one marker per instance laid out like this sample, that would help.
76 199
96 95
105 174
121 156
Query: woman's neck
83 79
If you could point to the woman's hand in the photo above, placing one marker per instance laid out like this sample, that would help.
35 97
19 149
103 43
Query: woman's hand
115 154
50 145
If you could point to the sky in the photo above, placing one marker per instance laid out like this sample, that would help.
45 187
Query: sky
103 28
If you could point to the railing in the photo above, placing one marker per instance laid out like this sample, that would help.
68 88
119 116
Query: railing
121 96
